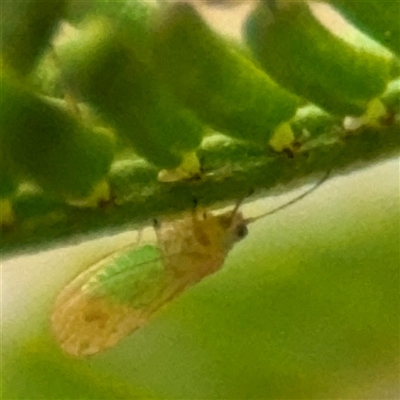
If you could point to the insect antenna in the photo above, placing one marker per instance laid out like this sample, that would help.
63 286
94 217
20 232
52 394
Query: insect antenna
293 201
235 210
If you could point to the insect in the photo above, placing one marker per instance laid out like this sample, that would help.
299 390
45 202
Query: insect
122 291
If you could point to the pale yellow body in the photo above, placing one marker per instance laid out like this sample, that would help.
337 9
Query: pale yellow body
191 248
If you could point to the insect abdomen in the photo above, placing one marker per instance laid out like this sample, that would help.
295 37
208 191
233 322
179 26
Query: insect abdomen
107 302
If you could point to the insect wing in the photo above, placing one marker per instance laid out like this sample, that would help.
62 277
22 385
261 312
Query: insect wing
110 300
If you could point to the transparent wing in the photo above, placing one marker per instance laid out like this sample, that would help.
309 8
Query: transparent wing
111 299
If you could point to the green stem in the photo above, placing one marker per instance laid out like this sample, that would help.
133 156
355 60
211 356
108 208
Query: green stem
232 170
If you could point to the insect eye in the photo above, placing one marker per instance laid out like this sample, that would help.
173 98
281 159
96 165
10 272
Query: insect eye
241 231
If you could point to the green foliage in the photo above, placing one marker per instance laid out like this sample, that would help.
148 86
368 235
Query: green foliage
26 30
378 18
42 141
104 66
220 84
344 78
305 309
157 80
8 184
36 371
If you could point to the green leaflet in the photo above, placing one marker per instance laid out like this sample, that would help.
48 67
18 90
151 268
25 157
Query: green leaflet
130 97
26 28
377 18
45 143
215 79
303 56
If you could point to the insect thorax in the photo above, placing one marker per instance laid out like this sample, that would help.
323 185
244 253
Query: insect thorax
197 245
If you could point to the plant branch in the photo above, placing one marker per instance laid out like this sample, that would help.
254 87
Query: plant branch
231 170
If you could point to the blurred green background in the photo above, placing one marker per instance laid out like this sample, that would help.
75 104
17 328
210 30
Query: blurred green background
306 307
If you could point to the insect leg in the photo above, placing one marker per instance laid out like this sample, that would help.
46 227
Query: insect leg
198 213
198 216
157 227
